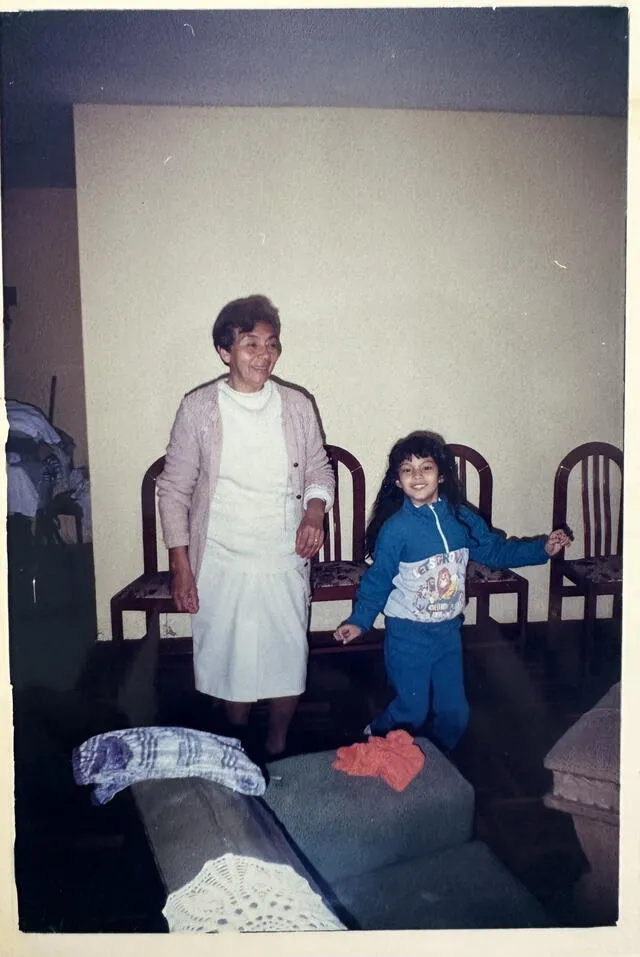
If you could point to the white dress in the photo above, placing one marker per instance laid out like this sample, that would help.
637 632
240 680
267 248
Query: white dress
250 633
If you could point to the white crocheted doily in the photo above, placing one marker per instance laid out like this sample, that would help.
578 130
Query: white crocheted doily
235 893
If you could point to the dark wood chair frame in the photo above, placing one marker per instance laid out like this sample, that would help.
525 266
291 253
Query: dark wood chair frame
482 590
331 550
331 556
153 605
594 460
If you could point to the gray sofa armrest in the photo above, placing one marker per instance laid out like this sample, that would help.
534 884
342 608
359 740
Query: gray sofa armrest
190 821
586 785
585 762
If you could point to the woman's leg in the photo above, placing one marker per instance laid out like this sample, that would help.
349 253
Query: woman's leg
237 712
281 711
237 721
407 656
450 706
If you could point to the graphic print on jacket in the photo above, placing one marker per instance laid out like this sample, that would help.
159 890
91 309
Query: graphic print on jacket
430 590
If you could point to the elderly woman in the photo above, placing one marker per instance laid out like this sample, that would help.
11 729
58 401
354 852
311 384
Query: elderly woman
242 500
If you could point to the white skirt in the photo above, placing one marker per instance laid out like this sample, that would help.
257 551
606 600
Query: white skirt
250 632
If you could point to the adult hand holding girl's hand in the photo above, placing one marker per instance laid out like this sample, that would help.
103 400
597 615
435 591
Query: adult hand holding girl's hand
557 540
183 585
346 633
310 534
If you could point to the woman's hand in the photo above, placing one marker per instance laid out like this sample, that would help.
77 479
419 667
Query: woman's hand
310 534
183 585
557 540
346 633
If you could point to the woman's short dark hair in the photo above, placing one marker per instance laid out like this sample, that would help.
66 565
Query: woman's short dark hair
243 315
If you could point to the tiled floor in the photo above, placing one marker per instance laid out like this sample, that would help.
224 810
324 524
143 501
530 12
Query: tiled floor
82 868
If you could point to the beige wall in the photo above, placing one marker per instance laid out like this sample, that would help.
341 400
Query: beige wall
40 258
454 271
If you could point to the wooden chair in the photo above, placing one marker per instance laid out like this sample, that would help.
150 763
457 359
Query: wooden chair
150 592
599 570
334 577
482 582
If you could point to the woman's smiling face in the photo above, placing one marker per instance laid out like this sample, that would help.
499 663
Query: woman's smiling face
252 357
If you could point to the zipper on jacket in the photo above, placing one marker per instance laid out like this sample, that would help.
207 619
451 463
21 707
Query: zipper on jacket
442 535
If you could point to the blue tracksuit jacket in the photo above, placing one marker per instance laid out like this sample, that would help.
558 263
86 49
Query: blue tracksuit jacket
420 563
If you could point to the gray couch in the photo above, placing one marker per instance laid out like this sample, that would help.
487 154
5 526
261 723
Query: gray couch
380 859
585 763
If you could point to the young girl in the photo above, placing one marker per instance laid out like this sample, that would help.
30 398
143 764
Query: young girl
421 538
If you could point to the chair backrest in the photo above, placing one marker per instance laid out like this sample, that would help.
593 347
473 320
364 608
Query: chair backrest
149 517
333 544
332 549
601 521
467 458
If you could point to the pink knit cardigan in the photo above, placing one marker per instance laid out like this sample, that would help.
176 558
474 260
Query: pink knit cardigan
192 463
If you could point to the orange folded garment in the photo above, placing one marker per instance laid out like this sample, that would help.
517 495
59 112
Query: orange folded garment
394 758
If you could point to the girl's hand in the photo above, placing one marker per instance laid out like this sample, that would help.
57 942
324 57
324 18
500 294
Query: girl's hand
310 534
346 633
557 540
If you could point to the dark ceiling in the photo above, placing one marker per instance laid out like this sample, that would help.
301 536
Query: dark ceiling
571 60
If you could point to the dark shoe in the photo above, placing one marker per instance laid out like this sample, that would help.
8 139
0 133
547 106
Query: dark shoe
369 732
253 747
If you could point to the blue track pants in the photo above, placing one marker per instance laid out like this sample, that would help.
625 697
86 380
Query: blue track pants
424 665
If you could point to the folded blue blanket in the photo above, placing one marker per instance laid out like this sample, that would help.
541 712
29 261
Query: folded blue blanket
117 759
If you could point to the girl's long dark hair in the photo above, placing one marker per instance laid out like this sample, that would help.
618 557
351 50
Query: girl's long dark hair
390 497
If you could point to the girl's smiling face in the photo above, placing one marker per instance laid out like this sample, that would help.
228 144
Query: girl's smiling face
419 479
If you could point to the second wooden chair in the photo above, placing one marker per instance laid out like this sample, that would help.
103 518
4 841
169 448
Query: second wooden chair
595 509
482 582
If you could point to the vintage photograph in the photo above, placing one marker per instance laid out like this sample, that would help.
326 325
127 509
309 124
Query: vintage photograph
314 358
